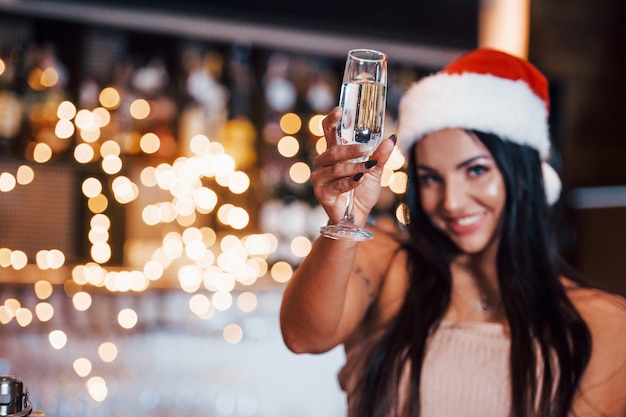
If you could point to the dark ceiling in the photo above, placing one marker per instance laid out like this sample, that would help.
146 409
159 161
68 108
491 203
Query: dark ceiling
443 23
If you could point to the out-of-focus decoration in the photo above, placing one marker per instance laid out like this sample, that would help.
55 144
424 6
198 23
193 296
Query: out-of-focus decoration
153 195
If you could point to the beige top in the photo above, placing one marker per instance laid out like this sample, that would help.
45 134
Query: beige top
465 371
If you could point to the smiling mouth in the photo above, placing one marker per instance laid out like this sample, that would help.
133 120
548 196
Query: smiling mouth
467 221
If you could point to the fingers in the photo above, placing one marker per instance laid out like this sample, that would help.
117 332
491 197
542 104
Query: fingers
329 126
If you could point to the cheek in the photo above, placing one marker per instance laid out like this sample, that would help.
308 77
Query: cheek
429 197
495 192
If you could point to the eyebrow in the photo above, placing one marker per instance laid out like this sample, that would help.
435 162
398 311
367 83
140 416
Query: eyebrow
459 166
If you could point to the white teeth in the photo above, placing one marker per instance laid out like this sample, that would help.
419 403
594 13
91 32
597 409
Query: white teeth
466 221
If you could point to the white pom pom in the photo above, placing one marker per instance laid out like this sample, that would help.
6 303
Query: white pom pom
551 183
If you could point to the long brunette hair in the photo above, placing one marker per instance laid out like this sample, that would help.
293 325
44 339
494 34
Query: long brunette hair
545 328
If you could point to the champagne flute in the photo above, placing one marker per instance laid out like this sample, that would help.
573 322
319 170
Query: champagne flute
363 101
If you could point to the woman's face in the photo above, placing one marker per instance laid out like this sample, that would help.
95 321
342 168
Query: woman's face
461 187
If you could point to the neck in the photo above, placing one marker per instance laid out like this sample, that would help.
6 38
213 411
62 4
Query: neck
475 289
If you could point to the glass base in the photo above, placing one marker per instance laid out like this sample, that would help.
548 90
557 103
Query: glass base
346 231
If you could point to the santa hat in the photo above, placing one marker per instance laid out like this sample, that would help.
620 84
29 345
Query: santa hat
488 91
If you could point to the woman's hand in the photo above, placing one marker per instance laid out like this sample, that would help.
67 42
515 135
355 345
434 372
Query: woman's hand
334 174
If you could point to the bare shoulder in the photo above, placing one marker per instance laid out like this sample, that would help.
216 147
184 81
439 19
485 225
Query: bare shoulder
602 391
599 308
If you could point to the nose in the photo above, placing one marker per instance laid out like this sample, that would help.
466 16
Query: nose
454 195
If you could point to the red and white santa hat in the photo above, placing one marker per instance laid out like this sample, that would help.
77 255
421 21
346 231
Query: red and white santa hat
485 90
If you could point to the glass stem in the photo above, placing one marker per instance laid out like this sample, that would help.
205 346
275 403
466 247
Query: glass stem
349 214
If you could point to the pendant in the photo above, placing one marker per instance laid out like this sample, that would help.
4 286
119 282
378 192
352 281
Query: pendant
483 306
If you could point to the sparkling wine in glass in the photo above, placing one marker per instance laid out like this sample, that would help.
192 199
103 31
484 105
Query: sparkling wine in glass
363 100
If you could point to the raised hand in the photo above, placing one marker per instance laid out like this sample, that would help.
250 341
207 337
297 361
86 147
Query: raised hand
334 174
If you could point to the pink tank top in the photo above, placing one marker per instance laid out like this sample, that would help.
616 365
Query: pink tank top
465 372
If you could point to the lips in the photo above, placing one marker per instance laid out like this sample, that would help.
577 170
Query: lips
465 224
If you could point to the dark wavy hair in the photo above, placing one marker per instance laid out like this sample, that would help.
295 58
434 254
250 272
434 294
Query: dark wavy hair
537 308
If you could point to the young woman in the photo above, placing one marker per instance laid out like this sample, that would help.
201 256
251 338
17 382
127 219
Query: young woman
470 311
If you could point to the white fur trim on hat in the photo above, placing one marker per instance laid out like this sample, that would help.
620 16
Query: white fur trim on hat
504 107
551 183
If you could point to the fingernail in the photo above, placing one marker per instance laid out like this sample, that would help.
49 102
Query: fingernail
394 138
370 163
358 176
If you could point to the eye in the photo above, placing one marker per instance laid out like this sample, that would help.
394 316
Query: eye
477 170
426 178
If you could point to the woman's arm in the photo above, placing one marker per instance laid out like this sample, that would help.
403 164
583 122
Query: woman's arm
331 289
602 391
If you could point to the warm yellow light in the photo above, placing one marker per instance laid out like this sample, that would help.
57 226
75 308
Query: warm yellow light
315 125
107 351
64 129
6 315
149 143
57 339
139 109
238 218
101 252
91 187
42 153
199 304
100 220
153 270
299 172
23 316
82 367
290 123
25 175
18 259
83 153
233 333
66 110
7 182
247 301
102 115
148 176
97 388
288 146
222 300
90 134
401 211
44 311
281 272
49 259
85 119
396 159
110 147
127 318
111 164
199 144
301 246
110 98
82 301
5 257
320 145
43 289
238 182
49 77
257 244
98 234
98 203
398 182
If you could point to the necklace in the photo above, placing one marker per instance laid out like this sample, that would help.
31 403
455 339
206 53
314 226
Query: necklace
483 306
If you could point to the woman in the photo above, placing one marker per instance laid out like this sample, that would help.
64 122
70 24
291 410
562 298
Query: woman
470 312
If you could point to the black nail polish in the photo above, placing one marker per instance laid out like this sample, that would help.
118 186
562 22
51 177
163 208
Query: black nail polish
394 138
370 163
358 176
